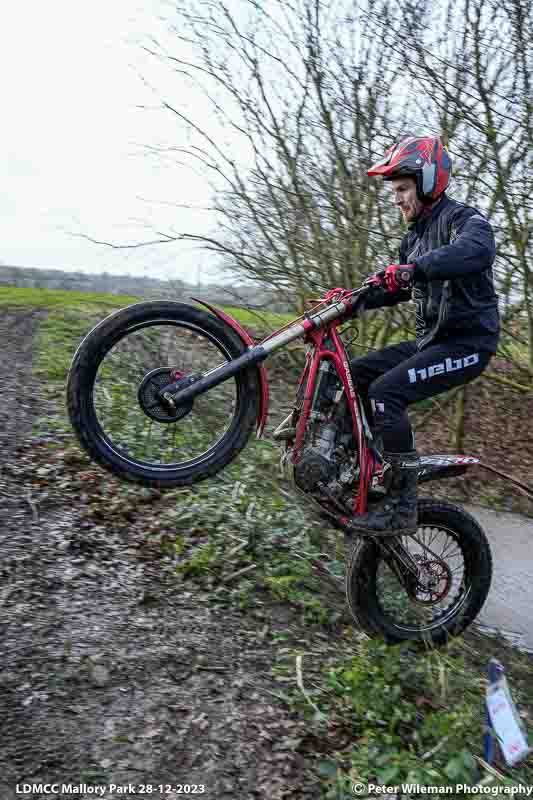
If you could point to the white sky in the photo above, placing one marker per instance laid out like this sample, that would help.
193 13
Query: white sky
71 141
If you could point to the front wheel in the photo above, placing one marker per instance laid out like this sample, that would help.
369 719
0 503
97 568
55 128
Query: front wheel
113 395
455 570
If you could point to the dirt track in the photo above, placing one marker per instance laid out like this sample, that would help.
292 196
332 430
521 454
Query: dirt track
110 673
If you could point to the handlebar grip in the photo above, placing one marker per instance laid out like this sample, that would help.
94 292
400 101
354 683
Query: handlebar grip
404 276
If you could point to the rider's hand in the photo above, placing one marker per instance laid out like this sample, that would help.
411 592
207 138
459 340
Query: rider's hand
399 276
376 279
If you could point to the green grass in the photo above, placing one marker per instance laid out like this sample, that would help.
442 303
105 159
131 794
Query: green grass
58 336
71 315
52 299
259 319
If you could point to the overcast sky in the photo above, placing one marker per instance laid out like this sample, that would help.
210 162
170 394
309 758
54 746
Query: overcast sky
72 134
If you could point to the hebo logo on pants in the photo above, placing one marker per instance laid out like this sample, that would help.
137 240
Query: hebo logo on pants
448 365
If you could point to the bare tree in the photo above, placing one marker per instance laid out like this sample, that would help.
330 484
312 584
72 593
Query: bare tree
310 100
305 94
473 71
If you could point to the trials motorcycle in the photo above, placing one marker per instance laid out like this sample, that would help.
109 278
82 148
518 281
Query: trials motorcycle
166 394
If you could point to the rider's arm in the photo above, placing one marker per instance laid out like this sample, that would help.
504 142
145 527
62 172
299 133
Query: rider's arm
380 297
471 250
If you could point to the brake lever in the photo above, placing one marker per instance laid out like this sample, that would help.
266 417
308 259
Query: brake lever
377 279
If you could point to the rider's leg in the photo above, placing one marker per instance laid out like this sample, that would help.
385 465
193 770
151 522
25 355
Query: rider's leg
366 369
401 438
427 373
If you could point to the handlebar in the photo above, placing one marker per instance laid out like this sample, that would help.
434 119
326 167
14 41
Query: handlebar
349 297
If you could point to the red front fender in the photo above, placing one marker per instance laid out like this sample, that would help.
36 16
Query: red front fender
247 339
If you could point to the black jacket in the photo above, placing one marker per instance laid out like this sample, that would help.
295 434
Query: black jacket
453 252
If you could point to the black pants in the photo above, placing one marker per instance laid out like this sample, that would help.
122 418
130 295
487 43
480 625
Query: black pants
393 378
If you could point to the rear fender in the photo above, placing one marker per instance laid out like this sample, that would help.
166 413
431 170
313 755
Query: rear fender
433 467
249 342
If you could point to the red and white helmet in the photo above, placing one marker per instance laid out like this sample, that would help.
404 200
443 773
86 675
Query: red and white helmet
424 158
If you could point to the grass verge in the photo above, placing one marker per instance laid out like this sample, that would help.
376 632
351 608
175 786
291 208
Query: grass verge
52 299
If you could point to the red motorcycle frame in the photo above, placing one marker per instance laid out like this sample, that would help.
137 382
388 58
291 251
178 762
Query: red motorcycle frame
312 363
338 356
318 326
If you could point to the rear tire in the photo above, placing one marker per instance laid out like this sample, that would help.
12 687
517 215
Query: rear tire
80 398
365 557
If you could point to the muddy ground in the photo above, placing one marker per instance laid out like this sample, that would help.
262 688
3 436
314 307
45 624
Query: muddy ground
111 673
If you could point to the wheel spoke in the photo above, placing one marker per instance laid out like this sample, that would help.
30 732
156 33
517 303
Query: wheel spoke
442 599
439 588
127 404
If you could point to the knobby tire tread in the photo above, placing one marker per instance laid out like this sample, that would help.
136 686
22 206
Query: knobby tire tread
362 563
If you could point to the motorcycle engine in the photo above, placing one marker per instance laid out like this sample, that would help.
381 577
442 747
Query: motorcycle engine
318 463
329 467
328 459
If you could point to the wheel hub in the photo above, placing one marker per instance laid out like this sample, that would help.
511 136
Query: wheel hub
433 583
149 394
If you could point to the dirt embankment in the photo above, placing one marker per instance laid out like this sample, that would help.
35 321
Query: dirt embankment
497 429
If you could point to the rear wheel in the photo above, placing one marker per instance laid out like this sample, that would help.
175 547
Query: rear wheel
455 564
112 395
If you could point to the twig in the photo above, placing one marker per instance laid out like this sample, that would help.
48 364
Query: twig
33 506
506 382
364 346
323 572
260 688
239 572
236 550
489 769
208 668
522 487
300 682
435 749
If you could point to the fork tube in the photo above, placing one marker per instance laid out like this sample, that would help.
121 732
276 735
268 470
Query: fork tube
175 396
253 355
400 555
314 322
283 338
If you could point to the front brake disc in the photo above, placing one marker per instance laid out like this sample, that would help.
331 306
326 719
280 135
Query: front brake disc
149 395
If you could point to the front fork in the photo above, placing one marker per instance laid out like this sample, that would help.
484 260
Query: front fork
176 394
400 560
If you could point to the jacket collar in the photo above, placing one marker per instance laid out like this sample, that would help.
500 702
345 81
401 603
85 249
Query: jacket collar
428 214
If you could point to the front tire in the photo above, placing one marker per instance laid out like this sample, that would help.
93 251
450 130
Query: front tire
379 610
176 335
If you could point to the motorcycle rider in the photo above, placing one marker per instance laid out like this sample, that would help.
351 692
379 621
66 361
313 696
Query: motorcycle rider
445 267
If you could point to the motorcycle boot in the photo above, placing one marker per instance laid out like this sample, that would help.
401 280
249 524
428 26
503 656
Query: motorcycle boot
396 514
